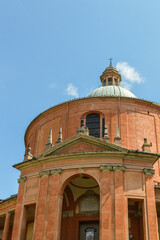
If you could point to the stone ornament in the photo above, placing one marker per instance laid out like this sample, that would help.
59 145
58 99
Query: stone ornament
117 139
28 155
119 169
146 147
80 170
22 179
150 172
49 144
59 136
50 172
8 213
69 213
106 168
106 137
55 171
44 173
82 129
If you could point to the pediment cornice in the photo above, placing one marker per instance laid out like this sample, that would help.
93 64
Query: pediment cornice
98 145
102 150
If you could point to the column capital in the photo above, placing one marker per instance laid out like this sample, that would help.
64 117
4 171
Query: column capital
8 213
119 169
105 168
56 171
22 179
44 173
148 171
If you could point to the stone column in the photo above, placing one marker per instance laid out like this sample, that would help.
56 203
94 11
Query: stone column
6 226
151 205
54 207
106 204
40 217
18 223
120 213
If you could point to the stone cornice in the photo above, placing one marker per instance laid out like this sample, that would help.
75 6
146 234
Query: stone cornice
57 158
9 203
22 179
149 171
133 156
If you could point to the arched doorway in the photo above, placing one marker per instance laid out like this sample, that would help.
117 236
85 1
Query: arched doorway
80 209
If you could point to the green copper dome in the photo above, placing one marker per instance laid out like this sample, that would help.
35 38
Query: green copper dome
111 91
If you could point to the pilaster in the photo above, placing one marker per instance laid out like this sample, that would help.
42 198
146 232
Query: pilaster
119 203
151 205
6 226
18 221
106 203
54 210
41 205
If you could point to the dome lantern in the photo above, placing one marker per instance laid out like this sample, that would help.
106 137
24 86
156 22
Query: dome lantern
111 76
110 80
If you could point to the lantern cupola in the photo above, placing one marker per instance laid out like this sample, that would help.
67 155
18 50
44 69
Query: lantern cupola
111 76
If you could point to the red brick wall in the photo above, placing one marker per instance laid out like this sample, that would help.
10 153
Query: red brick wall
138 119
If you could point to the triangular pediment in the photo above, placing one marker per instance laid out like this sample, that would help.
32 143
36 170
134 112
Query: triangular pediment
87 146
83 143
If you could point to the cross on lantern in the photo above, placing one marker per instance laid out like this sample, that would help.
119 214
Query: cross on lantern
110 61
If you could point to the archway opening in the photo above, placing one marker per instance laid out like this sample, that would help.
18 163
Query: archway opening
80 209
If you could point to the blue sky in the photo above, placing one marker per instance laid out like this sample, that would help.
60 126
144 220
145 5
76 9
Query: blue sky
54 50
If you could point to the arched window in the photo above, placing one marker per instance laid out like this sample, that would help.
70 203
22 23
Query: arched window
116 81
110 82
104 82
93 124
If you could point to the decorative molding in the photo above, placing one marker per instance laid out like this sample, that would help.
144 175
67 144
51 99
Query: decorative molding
55 171
59 136
69 213
22 179
8 213
83 130
105 168
146 147
150 172
80 171
28 154
44 173
119 169
96 186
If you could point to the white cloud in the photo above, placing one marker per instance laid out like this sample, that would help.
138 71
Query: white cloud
129 73
126 85
72 90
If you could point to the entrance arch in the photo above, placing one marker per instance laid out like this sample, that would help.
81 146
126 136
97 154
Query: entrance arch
80 209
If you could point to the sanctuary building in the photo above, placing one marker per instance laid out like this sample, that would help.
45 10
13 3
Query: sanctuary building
90 171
